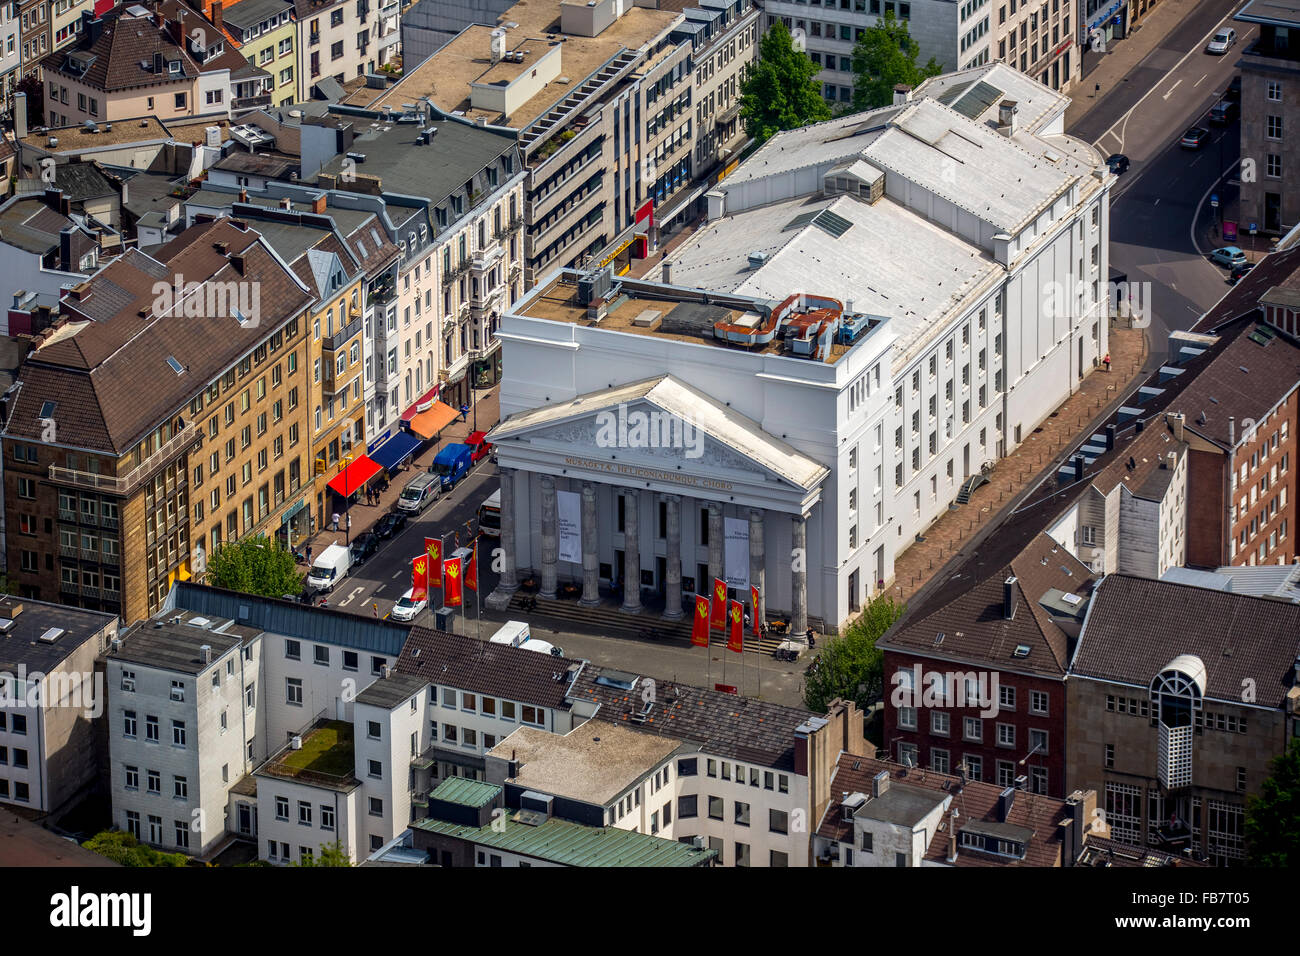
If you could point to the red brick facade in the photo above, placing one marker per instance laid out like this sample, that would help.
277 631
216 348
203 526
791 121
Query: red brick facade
1264 501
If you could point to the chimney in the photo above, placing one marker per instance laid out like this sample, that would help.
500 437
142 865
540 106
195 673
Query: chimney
1110 437
880 784
1138 426
318 204
902 94
1177 422
1009 598
20 116
1078 468
668 272
205 653
1006 800
1232 430
286 203
952 836
237 261
216 16
243 195
1007 111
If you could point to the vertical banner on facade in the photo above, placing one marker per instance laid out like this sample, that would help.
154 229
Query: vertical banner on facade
568 524
433 550
718 606
736 633
420 578
735 552
471 569
758 624
451 583
700 629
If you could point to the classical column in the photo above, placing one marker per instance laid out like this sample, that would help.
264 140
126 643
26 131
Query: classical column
757 561
550 540
509 581
631 554
590 568
673 583
716 569
799 575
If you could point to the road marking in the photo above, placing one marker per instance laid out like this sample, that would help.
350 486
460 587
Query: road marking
1196 49
1156 203
397 575
1171 89
348 600
1198 82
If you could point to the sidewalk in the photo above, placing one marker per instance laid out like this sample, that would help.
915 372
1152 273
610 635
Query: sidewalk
1123 55
364 516
1024 467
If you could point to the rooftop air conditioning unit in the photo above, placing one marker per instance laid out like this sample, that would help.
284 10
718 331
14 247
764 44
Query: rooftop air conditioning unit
295 742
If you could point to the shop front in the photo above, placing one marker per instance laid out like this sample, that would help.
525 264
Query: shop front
1106 20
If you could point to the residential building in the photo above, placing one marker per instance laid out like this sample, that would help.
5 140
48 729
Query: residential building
1037 39
66 20
1179 697
132 479
339 40
428 25
893 815
208 703
600 101
10 57
40 242
1270 99
925 371
54 700
469 824
263 32
35 35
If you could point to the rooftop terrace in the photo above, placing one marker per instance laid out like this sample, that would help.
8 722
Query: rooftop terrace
324 760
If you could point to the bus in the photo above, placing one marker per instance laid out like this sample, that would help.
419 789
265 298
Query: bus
489 515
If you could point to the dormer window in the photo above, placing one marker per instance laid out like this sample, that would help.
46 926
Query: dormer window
173 66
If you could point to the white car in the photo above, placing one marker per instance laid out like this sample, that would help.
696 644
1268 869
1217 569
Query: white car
407 609
1222 42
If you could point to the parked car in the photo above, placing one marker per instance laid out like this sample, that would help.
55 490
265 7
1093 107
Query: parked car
1223 112
1228 256
1222 42
363 546
390 524
1118 163
1239 271
1233 91
1194 138
419 493
407 608
480 447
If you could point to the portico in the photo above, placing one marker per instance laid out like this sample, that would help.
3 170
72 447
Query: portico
656 488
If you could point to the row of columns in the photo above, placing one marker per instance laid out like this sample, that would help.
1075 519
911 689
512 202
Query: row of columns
509 580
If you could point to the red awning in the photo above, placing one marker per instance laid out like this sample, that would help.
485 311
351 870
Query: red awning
353 478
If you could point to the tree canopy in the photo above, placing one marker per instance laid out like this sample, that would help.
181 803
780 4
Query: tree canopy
850 666
121 847
883 57
331 854
780 91
256 565
1273 814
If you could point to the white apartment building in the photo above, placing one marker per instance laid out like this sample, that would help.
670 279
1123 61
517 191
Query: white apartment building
966 310
342 39
9 57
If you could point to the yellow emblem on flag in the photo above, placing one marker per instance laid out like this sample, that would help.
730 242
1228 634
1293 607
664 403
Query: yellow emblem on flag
452 570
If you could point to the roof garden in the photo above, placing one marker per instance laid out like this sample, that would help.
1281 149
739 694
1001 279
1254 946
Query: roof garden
324 759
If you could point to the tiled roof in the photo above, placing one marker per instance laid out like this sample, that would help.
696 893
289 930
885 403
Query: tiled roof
739 728
499 670
1101 851
975 802
1137 626
117 53
966 608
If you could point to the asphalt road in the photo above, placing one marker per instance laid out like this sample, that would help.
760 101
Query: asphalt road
1155 203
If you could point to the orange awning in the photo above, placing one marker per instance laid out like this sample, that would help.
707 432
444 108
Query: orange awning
428 423
353 478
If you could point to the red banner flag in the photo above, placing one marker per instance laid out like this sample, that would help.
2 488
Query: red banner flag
420 578
451 595
758 621
471 569
718 615
736 640
700 627
433 549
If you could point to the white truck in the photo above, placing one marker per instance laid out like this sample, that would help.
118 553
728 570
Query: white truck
517 634
330 566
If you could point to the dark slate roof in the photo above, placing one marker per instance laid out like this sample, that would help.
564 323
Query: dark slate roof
171 647
1136 626
20 643
27 223
249 13
323 625
1100 851
730 726
499 670
388 692
965 606
976 804
82 181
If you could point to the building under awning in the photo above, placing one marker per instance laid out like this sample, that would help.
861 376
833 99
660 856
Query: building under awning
399 447
353 478
429 423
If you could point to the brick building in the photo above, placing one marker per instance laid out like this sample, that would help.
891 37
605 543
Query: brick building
1179 697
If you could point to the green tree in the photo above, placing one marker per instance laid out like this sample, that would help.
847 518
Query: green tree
121 847
850 666
779 90
331 854
1273 815
884 57
254 566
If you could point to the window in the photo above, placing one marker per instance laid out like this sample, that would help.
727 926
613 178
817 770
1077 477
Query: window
742 814
1274 127
180 788
972 729
778 821
716 809
292 650
293 691
1038 702
178 733
940 721
687 806
1006 735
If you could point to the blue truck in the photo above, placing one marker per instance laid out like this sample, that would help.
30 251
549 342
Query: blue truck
451 465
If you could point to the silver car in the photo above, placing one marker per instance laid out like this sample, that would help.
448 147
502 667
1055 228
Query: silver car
1222 42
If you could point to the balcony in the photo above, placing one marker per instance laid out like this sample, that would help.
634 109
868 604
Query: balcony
313 39
340 339
485 259
243 103
125 484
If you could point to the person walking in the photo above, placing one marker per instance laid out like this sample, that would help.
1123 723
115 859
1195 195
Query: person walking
349 521
334 526
1106 361
309 554
464 412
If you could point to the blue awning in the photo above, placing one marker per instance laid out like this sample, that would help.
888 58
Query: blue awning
1098 19
399 447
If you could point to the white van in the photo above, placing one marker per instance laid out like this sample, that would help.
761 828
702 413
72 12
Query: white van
330 566
489 516
517 634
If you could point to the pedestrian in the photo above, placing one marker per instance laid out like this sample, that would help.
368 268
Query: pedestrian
335 525
309 554
349 520
464 411
1097 91
1106 361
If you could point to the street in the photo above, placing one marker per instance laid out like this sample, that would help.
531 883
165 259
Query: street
1155 203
